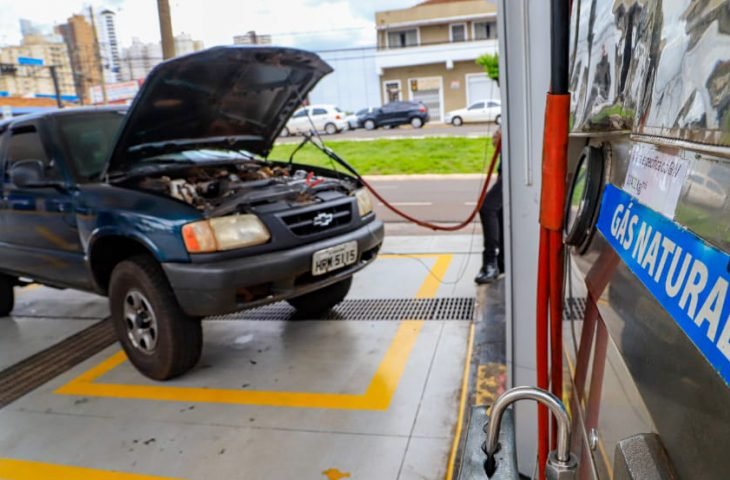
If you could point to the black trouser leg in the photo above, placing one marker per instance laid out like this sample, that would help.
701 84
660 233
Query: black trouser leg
489 215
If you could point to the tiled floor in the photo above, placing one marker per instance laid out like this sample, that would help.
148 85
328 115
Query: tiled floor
269 400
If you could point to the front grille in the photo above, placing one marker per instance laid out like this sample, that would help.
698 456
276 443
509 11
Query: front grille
320 220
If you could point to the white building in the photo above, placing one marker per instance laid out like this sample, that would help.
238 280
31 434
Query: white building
109 46
427 53
185 44
138 59
252 38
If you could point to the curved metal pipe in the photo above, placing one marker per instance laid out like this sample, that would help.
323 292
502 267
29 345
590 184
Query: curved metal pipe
541 396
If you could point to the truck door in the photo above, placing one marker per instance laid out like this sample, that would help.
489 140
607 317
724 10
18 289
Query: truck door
39 235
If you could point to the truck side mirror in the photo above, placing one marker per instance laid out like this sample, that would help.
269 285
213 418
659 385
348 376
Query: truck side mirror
27 174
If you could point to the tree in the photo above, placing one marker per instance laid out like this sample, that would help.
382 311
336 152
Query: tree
490 63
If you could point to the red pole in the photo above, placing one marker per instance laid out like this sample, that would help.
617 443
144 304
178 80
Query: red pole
543 296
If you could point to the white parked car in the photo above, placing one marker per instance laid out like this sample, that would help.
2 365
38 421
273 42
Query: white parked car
481 111
326 118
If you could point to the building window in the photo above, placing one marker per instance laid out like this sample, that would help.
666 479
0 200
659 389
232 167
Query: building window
392 91
457 32
403 38
484 30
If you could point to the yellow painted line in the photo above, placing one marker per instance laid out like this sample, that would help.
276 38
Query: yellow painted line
462 406
377 396
26 470
490 382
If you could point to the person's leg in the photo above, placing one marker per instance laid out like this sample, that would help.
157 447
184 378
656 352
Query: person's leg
500 257
489 215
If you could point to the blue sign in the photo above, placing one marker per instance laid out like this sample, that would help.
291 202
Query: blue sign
65 98
687 276
4 93
30 61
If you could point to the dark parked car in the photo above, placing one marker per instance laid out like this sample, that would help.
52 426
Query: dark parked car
394 114
173 211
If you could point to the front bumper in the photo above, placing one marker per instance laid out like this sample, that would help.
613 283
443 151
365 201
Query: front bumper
216 288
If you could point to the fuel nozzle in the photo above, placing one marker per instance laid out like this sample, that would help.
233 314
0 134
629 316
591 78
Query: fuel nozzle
561 464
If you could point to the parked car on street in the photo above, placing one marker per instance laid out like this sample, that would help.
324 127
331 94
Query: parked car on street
394 114
481 111
354 121
324 118
172 209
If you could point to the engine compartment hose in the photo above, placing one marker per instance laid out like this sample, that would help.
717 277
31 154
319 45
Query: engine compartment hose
433 226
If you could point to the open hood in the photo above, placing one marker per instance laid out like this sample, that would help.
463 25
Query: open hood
234 95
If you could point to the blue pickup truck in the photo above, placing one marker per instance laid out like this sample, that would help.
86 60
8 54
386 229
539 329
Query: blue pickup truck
172 209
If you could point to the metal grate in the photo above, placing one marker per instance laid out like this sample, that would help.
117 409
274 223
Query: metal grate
574 308
389 309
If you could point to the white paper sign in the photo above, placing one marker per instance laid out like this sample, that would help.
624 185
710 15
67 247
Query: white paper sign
656 178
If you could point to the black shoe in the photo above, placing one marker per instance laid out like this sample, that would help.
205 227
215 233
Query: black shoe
487 274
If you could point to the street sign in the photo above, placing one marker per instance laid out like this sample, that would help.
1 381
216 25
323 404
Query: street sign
30 61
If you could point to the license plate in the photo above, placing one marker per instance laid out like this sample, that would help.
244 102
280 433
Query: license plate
334 258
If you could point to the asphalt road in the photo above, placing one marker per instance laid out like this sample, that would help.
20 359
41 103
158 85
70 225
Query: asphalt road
406 131
442 198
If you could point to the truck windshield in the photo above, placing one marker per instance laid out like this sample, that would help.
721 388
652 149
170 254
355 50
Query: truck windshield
89 138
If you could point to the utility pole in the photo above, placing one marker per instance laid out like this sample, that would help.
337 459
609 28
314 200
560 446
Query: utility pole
168 43
98 55
54 77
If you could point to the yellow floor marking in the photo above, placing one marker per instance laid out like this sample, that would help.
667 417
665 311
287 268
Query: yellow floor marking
377 396
334 474
462 405
26 470
490 383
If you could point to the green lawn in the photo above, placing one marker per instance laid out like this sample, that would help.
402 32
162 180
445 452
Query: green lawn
399 156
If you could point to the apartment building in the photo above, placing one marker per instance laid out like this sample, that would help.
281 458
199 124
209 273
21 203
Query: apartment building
427 53
106 27
25 71
78 35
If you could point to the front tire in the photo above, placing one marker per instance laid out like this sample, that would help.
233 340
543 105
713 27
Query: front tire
498 119
161 341
314 304
457 121
369 125
416 122
7 295
330 129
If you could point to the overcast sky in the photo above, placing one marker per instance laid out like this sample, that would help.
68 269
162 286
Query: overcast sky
312 24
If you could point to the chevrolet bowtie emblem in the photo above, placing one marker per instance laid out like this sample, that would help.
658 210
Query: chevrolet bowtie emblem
323 219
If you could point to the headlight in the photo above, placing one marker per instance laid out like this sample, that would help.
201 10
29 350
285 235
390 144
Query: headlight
224 233
364 204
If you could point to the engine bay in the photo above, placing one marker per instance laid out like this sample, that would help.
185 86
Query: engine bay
222 189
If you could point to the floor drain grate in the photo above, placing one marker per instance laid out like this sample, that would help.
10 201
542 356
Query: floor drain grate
34 371
393 309
574 308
